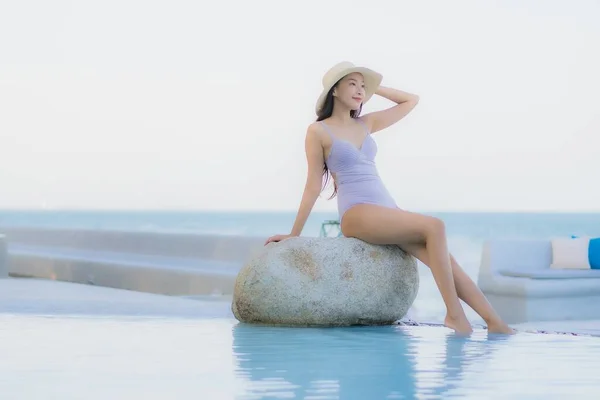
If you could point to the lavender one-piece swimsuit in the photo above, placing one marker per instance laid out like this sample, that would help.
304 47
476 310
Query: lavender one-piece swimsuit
356 175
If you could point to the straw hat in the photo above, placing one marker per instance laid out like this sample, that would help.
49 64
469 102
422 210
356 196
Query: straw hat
338 71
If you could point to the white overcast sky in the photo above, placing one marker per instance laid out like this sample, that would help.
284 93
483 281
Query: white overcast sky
204 105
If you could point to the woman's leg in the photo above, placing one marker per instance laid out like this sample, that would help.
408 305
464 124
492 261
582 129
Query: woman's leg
385 226
466 289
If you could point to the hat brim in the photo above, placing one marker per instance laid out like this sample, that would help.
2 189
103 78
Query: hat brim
372 81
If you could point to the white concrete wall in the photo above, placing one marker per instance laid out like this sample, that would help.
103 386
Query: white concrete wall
173 264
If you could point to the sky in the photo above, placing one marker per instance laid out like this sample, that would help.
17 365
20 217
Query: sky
204 105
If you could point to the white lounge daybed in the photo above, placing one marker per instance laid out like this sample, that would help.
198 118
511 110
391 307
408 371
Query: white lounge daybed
517 278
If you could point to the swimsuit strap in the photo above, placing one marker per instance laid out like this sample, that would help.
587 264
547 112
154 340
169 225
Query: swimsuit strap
331 135
364 124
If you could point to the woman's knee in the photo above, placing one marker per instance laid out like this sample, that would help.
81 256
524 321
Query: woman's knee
434 228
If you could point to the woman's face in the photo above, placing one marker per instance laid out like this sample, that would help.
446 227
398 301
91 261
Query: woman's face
351 91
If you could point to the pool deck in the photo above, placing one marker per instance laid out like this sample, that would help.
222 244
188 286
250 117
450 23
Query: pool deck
53 298
32 296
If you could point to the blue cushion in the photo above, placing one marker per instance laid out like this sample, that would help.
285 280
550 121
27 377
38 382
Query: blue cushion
594 253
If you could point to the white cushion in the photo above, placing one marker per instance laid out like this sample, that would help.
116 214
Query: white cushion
570 253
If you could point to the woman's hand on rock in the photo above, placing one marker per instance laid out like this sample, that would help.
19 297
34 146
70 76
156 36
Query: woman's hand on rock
278 238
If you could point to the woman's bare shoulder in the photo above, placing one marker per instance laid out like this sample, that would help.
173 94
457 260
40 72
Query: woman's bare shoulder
315 131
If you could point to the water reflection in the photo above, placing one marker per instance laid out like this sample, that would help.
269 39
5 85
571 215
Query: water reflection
350 363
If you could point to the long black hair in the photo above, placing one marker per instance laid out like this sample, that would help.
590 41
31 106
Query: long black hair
324 113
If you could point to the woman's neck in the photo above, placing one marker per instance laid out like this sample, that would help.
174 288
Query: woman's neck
341 115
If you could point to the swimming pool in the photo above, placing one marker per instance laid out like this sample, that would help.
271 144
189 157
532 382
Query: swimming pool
152 357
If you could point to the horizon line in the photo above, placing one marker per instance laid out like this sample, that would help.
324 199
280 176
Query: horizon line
285 211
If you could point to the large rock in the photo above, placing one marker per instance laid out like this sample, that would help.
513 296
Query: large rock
326 281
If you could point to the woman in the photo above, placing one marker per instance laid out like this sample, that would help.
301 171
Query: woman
340 143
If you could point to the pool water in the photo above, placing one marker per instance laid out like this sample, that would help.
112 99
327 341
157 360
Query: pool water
126 357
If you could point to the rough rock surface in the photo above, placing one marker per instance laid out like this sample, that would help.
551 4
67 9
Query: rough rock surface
326 282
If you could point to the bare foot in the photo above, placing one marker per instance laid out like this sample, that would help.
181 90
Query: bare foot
460 326
500 327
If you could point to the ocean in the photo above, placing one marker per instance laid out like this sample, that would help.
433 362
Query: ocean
467 232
